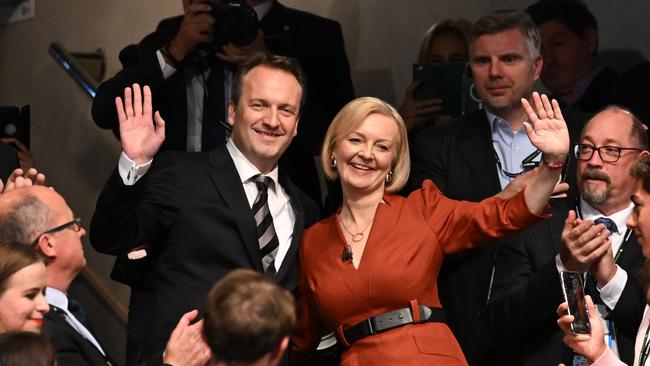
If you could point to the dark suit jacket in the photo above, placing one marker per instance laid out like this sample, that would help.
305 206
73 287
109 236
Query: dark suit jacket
459 158
527 292
600 93
71 348
316 42
192 213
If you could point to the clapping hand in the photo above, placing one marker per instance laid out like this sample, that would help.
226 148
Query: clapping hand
546 129
22 178
141 139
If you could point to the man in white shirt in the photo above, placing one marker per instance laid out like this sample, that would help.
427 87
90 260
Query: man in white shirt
527 282
192 218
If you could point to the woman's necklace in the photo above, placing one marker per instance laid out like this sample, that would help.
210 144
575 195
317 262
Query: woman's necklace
357 237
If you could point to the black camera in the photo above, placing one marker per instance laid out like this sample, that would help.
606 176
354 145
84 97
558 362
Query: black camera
234 22
14 122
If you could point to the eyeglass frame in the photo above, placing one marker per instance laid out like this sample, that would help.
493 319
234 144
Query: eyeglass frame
76 222
600 155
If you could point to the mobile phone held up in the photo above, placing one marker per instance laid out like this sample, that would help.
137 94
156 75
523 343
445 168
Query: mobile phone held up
449 82
574 294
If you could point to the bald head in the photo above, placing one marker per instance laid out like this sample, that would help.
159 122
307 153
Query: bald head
620 117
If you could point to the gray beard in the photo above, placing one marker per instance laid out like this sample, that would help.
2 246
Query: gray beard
595 198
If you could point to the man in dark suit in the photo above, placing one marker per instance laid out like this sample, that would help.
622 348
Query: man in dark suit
176 65
190 216
38 216
477 155
570 47
527 286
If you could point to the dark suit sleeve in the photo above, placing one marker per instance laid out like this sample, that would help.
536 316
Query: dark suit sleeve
429 160
130 216
139 65
526 290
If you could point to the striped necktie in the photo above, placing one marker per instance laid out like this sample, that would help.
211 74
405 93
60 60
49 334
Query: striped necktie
266 236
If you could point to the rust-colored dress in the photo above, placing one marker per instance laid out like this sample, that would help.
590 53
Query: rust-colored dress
400 263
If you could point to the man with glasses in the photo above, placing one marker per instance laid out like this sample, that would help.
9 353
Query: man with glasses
40 216
586 235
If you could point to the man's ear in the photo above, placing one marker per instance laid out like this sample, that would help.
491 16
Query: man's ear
278 352
45 245
232 110
644 153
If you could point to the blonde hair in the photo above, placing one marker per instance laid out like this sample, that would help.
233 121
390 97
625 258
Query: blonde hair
349 118
459 27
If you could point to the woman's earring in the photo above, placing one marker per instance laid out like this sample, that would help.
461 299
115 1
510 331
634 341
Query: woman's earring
389 176
333 162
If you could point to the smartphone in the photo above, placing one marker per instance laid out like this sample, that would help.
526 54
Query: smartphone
574 294
449 82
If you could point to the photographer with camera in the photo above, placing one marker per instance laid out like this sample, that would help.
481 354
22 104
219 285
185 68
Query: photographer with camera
192 58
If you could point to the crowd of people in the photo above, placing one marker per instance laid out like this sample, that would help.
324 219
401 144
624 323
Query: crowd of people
441 236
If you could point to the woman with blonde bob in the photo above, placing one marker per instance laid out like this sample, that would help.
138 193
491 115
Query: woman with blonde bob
369 271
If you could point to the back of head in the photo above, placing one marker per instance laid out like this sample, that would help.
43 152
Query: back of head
247 316
15 256
574 14
23 216
503 20
25 349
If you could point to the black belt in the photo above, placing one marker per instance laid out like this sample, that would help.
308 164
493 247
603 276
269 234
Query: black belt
386 321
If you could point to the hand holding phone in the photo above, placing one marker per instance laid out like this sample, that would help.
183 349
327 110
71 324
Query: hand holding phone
574 294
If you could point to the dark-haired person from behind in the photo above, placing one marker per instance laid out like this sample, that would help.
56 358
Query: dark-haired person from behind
248 320
26 349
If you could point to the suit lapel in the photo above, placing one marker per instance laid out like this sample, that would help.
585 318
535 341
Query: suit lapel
296 205
224 175
479 153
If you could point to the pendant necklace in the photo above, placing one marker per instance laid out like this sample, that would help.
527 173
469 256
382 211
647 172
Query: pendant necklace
358 236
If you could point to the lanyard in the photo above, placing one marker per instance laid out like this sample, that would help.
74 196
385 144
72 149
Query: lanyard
527 163
645 350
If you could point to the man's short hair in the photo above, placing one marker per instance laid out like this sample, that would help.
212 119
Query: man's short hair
24 220
247 316
284 63
503 20
574 14
641 171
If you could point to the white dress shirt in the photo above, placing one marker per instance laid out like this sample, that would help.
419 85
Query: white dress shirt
278 199
57 298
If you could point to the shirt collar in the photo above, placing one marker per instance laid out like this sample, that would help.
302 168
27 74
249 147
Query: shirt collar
493 118
262 9
246 169
619 218
56 298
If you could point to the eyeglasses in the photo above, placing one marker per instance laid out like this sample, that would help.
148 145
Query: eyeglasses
75 225
609 154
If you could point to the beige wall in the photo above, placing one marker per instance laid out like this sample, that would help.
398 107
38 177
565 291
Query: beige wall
382 39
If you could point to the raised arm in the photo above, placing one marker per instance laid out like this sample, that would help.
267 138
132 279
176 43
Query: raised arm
548 132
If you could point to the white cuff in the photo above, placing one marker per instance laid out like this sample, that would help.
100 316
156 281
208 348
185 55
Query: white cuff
559 265
167 69
611 292
129 171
